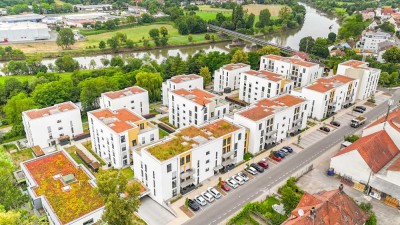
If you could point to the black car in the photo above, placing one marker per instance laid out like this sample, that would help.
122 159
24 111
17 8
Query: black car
193 205
363 108
358 110
335 123
326 129
290 150
257 167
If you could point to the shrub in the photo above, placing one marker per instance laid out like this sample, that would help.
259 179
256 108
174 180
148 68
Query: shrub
247 156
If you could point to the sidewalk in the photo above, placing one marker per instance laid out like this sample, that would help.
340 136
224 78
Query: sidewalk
212 181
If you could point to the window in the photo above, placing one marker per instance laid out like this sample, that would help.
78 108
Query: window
207 161
58 121
208 152
182 161
174 184
60 128
169 168
89 222
260 126
240 136
187 158
122 139
207 169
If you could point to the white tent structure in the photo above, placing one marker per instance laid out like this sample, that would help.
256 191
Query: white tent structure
26 31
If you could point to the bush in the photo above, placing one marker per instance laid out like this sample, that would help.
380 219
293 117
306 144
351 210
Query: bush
247 156
351 138
371 220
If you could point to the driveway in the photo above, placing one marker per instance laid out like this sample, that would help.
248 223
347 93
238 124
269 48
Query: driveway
153 213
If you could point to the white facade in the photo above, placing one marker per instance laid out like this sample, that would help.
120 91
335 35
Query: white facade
114 134
195 106
27 31
272 120
134 98
329 95
228 76
370 40
300 71
256 85
368 77
44 126
188 157
188 82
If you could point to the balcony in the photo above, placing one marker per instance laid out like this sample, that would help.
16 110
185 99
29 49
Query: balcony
187 183
187 173
272 132
227 162
226 155
294 129
299 120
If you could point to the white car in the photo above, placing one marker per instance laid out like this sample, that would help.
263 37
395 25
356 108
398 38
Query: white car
214 192
200 200
231 182
251 170
207 196
238 179
243 176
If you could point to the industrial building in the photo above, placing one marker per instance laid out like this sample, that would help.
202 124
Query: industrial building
26 31
31 17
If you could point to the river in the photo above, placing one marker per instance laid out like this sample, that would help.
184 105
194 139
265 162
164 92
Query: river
316 24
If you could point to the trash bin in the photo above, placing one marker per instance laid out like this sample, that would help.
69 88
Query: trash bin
331 172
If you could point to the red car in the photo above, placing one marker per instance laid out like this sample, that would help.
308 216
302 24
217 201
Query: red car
278 159
225 187
263 163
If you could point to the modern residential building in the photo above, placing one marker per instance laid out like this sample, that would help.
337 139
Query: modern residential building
63 189
195 106
329 95
372 163
327 208
180 162
271 120
370 40
43 127
256 85
134 98
368 77
115 133
228 76
187 82
26 31
293 68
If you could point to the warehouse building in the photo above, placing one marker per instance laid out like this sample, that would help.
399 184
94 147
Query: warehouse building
26 31
31 17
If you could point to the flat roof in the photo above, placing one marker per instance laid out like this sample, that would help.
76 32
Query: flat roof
23 25
196 95
52 110
22 17
184 78
265 75
326 84
291 60
125 92
118 120
353 63
235 66
190 137
68 201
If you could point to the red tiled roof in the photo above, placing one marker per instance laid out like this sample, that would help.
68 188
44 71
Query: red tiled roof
387 11
58 108
291 60
125 92
376 149
395 166
302 55
331 208
196 95
119 120
353 63
266 75
393 119
183 78
325 84
235 66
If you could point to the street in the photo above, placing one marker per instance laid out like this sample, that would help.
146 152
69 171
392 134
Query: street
231 203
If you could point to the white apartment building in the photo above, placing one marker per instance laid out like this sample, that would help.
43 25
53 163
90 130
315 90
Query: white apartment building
256 85
368 77
189 156
370 40
43 127
134 98
228 76
272 120
187 82
293 68
195 106
115 133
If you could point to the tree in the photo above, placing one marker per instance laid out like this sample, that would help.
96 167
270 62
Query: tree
163 31
154 33
207 36
306 44
269 50
205 73
190 38
51 93
392 55
111 185
240 56
102 45
92 88
114 43
151 82
289 199
15 106
250 21
264 18
320 47
238 17
65 38
117 62
285 12
332 37
174 65
66 64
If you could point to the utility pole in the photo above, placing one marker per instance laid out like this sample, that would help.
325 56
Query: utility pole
390 103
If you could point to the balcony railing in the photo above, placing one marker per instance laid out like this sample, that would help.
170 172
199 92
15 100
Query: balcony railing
187 173
187 183
227 162
272 132
226 155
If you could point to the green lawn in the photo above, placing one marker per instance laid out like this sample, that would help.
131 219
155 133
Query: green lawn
208 8
206 15
71 151
21 156
29 78
340 10
162 133
85 127
88 146
153 108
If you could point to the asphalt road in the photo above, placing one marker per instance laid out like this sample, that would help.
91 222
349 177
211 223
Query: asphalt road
232 202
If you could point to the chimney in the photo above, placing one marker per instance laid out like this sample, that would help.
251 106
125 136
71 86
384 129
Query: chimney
341 188
313 213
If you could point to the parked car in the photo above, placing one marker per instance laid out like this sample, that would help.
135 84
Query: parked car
263 163
335 123
279 154
285 151
207 196
231 182
290 149
238 179
200 200
363 108
214 192
257 167
251 170
326 129
358 110
193 205
243 176
276 158
225 187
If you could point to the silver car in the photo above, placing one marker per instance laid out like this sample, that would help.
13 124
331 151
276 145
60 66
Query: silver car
243 176
238 179
251 170
214 192
200 200
207 196
231 182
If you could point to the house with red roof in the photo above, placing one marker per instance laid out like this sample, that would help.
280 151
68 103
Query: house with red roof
134 98
373 161
271 120
189 82
44 127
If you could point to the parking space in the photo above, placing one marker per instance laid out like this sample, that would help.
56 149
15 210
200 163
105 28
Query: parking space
381 98
312 138
344 119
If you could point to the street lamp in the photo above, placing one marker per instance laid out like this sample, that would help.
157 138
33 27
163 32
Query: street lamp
390 103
